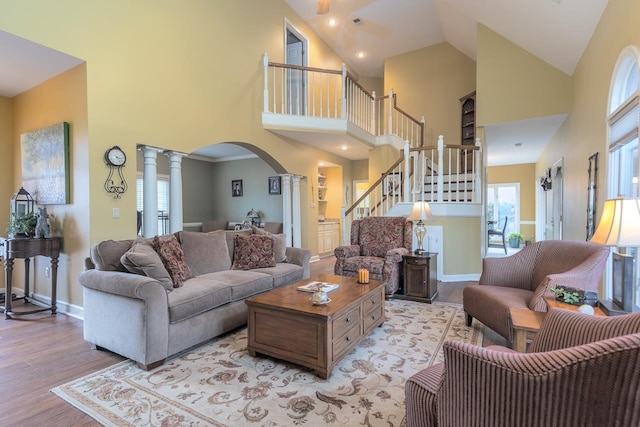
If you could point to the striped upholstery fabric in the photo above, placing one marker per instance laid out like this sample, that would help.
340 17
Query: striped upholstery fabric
523 279
595 383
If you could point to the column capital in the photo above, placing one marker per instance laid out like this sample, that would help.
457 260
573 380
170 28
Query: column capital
174 155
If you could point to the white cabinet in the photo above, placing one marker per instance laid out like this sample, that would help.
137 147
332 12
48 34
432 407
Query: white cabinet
328 238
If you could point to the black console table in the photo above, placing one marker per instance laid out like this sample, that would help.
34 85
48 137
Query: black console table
26 248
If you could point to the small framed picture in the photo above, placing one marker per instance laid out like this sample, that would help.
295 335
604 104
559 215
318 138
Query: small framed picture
274 185
236 188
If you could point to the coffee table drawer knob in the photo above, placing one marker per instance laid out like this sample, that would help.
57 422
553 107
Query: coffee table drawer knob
348 319
349 338
374 317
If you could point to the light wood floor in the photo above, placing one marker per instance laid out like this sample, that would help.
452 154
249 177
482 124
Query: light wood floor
40 351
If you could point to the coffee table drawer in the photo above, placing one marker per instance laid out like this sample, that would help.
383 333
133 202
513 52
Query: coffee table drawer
345 322
375 300
373 318
346 342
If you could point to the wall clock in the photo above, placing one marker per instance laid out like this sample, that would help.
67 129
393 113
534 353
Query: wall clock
115 159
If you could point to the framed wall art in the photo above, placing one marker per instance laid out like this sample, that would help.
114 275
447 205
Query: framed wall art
236 188
45 164
274 185
592 192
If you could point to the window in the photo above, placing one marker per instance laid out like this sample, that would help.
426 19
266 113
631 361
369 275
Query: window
623 123
503 200
163 201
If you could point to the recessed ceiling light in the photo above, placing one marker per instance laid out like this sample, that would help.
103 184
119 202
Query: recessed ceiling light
360 54
343 148
332 22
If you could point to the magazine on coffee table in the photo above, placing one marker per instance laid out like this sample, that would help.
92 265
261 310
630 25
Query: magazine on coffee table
314 286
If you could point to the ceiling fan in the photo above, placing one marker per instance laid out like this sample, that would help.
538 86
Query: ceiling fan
323 7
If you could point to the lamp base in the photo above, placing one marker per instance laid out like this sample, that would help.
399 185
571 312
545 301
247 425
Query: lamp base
419 251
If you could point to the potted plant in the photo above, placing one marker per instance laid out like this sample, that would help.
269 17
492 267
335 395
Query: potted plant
514 239
568 295
22 225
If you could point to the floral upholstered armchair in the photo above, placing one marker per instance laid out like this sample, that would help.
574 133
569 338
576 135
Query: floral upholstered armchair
377 244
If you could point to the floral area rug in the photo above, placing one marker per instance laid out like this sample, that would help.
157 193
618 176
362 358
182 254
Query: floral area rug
219 384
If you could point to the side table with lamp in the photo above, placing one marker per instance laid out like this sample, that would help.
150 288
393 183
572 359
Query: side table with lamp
420 271
620 227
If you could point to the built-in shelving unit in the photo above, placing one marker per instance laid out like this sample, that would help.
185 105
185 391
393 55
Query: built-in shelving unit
468 123
322 196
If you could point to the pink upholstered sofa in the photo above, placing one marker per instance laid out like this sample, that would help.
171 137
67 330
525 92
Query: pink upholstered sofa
580 371
377 244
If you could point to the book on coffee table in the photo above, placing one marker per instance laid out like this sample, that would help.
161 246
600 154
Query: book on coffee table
314 286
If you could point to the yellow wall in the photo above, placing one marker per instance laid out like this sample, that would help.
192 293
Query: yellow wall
430 82
6 160
585 131
165 75
523 174
62 99
515 85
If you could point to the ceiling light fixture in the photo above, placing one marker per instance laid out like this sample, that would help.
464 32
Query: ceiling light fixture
360 54
343 148
332 22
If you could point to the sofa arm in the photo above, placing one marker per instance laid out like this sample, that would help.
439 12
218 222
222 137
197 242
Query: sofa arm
300 257
395 254
123 284
127 314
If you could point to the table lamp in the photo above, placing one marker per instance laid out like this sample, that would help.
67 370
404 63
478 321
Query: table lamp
254 217
420 212
620 226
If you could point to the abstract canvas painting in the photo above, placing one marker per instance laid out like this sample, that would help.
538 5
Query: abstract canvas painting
45 164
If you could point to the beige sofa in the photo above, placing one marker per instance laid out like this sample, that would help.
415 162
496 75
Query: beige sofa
139 305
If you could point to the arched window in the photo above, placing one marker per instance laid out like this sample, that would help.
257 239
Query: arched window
623 130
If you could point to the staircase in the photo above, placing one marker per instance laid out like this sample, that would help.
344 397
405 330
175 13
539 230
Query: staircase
306 102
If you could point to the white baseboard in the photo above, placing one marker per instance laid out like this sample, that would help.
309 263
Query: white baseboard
460 277
314 258
62 306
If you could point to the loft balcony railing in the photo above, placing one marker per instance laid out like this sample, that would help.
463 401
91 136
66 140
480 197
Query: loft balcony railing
335 94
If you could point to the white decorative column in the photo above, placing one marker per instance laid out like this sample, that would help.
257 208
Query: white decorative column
295 204
150 189
175 190
286 208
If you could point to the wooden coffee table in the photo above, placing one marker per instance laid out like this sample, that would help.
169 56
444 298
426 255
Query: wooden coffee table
284 324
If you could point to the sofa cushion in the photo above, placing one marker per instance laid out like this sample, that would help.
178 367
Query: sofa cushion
106 254
255 251
205 252
283 273
231 239
279 243
198 295
242 284
142 259
172 257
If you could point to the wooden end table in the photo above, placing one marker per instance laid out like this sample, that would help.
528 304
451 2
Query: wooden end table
26 248
419 277
283 323
526 323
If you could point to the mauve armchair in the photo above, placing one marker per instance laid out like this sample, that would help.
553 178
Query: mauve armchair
377 244
523 280
580 371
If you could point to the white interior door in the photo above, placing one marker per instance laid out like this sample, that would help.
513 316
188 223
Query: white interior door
295 79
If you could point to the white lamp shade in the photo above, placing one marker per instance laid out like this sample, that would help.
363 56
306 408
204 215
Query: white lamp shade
619 224
420 211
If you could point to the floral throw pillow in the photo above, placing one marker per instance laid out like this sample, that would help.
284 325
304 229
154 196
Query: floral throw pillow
172 257
253 251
